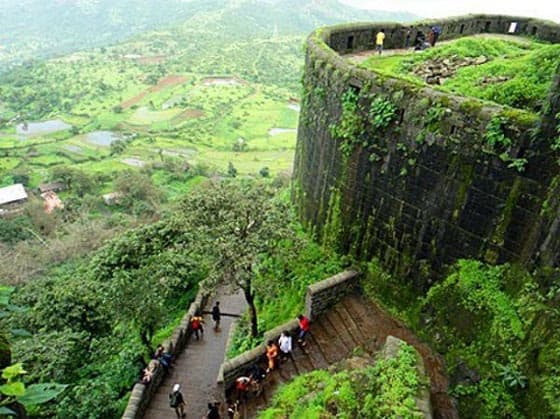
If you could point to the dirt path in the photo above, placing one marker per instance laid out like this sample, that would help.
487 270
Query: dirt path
382 324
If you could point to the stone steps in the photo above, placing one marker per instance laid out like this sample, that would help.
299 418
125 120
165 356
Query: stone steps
332 338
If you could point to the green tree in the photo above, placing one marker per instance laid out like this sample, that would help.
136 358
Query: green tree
74 179
118 147
138 191
238 223
15 396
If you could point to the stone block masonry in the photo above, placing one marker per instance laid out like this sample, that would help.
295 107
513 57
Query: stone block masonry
427 188
323 295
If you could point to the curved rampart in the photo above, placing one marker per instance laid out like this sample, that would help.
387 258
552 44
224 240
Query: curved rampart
427 188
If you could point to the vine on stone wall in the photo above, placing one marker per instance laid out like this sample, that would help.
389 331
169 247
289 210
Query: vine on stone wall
432 122
355 120
350 126
381 113
555 146
499 143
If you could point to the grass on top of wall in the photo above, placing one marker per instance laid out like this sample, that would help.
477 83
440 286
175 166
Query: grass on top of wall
518 72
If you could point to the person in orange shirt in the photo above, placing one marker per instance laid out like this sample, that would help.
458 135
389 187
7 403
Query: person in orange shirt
271 355
379 39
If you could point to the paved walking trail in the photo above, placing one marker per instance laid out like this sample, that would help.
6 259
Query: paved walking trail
353 322
197 367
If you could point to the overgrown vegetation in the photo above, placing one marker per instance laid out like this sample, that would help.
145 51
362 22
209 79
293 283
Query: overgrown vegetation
361 115
498 143
518 73
283 279
92 323
385 390
501 341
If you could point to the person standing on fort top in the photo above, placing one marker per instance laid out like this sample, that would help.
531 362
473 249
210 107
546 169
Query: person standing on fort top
379 39
437 31
407 37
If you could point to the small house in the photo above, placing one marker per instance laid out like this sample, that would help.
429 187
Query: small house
113 198
12 196
51 187
51 201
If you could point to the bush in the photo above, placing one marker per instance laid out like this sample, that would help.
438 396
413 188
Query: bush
385 390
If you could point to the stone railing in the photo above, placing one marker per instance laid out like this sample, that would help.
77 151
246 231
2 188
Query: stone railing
319 298
350 37
325 294
142 393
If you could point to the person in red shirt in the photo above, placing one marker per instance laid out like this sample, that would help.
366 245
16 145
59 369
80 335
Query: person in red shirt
243 385
196 325
303 328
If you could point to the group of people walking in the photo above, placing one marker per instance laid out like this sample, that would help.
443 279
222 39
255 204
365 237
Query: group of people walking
276 353
176 397
253 380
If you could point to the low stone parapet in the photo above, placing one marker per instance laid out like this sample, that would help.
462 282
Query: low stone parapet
325 294
423 403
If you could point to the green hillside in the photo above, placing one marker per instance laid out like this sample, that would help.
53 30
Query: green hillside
150 118
155 90
37 29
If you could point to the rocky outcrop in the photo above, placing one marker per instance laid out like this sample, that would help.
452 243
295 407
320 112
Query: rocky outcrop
438 70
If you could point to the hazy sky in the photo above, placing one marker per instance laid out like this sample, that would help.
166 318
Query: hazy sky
545 9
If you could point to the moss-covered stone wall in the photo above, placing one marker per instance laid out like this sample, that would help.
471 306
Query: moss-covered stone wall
415 177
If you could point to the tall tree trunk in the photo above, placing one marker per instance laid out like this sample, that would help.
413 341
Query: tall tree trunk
250 298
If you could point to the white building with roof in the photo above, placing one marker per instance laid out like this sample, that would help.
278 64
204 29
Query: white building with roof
12 195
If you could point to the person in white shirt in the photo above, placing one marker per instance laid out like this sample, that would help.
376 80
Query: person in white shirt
285 343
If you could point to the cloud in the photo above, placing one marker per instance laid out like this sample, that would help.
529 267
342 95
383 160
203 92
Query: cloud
440 8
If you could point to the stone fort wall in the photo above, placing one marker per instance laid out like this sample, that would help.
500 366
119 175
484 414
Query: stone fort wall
427 189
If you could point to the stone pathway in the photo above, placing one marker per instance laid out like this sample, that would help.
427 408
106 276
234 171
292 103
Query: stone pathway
197 367
354 322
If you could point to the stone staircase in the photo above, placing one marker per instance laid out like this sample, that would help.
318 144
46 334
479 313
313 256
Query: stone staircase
352 323
336 332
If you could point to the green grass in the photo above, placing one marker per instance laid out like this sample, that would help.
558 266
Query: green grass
528 67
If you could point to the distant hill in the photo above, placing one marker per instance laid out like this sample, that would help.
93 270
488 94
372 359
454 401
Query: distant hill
37 29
